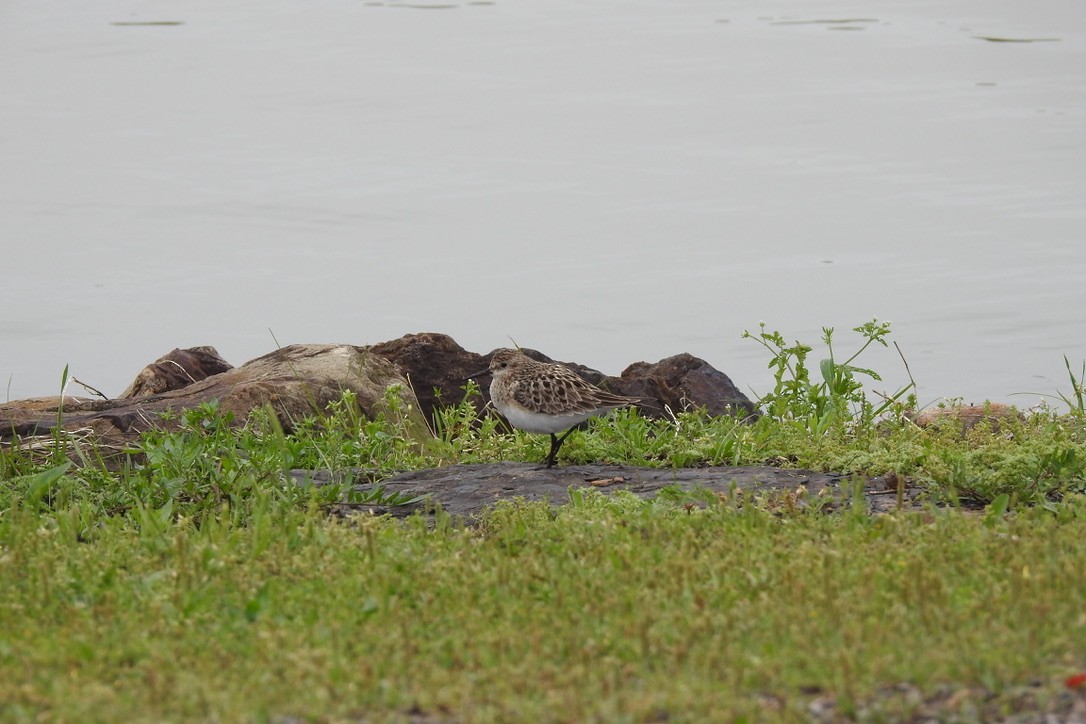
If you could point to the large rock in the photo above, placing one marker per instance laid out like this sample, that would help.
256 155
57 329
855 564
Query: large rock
177 369
684 381
436 367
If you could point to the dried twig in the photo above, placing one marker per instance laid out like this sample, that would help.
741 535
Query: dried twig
87 387
906 363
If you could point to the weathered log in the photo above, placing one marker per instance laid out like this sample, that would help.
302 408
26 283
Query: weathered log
295 381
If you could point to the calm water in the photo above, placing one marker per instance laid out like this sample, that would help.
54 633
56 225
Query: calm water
607 181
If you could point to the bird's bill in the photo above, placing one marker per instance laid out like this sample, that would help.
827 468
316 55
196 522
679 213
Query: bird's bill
480 373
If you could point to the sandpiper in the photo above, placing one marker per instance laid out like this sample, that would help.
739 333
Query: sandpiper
545 398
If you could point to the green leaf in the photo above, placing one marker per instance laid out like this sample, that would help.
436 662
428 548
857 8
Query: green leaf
828 368
40 483
997 509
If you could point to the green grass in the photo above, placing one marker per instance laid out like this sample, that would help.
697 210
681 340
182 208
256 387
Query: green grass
611 609
198 581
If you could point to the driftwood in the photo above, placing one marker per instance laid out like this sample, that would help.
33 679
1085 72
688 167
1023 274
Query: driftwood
295 382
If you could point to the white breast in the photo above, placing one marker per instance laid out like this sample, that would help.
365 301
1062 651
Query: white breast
538 422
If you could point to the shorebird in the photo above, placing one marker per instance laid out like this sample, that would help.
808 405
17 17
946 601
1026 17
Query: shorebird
545 398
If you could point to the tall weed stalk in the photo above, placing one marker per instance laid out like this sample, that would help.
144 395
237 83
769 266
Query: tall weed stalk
836 398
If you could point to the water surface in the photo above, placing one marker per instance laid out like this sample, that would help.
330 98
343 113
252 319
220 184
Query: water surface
605 181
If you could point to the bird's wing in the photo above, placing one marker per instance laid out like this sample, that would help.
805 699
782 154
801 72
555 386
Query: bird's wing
561 392
610 399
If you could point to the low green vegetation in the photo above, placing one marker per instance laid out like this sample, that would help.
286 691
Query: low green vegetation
199 581
609 609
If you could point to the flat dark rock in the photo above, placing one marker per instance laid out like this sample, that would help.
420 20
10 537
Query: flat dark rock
467 490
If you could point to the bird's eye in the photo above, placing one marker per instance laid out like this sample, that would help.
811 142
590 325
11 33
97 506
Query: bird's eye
503 365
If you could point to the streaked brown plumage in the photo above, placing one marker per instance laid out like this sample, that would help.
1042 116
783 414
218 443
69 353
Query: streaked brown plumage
545 398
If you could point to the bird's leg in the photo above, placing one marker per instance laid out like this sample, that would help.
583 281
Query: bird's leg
556 442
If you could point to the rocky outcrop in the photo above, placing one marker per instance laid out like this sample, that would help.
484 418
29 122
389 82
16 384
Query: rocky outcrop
302 380
438 369
685 381
435 365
